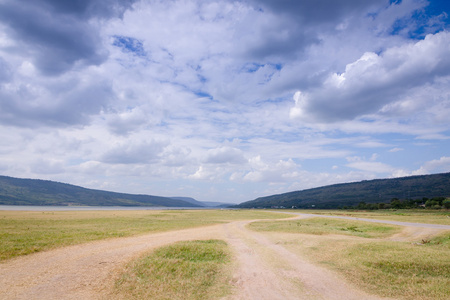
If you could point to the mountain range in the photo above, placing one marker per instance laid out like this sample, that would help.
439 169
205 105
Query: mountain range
17 191
351 194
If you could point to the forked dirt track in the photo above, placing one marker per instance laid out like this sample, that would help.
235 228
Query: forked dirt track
264 269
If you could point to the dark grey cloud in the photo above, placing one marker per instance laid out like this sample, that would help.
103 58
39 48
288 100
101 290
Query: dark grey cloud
316 12
55 36
5 71
300 23
58 34
284 41
87 8
70 106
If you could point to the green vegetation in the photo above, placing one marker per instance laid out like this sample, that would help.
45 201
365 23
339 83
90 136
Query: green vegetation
367 192
15 191
184 270
25 232
401 270
433 203
406 215
323 226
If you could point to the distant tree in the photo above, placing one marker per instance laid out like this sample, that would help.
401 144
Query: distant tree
431 203
372 206
361 205
396 203
446 203
439 200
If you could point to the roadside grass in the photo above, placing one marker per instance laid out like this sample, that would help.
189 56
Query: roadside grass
184 270
322 226
26 232
427 216
400 270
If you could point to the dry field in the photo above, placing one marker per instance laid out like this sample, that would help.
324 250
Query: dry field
230 254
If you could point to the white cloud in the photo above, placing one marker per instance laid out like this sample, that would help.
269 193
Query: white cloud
184 95
208 173
144 153
128 121
375 80
225 155
371 166
440 165
270 172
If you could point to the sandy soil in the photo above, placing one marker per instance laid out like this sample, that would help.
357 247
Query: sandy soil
264 269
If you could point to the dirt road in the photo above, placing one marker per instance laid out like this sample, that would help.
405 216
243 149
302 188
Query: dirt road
407 224
265 270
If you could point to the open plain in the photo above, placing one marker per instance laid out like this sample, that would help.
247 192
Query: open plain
267 263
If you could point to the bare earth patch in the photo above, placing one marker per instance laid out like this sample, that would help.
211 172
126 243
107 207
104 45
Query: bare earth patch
264 269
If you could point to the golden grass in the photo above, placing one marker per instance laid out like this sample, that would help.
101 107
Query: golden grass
322 226
25 232
403 215
401 270
184 270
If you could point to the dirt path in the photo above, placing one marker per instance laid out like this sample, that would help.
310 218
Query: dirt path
407 224
265 270
85 271
269 271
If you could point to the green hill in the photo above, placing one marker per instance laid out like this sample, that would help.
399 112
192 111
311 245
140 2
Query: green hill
15 191
350 194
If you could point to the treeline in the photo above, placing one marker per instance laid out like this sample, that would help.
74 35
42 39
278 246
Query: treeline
377 192
433 203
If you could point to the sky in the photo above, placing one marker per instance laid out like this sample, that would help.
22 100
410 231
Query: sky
223 100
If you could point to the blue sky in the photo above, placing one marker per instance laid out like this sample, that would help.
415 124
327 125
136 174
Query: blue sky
223 100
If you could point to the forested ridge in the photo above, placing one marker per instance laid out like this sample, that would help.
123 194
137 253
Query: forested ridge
17 191
413 188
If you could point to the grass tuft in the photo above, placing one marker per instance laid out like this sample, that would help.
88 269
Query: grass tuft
184 270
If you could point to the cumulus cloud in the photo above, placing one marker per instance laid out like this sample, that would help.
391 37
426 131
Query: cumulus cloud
270 172
375 80
128 121
5 71
370 165
72 102
301 23
57 34
140 153
202 91
320 11
48 166
225 155
440 165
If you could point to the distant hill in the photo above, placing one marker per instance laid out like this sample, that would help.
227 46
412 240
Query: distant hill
203 203
350 194
189 200
16 191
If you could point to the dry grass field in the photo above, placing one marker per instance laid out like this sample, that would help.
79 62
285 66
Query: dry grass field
229 254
